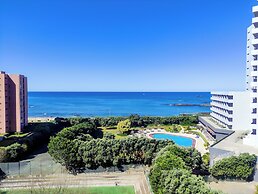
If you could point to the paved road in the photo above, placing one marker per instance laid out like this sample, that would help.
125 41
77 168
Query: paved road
234 187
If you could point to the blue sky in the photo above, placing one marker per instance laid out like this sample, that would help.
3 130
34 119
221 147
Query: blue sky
126 45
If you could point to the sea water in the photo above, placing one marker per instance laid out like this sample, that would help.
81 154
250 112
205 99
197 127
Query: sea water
90 104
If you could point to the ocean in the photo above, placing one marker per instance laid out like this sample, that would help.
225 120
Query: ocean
92 104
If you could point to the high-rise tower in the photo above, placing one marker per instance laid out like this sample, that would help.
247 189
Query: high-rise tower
238 110
252 76
13 103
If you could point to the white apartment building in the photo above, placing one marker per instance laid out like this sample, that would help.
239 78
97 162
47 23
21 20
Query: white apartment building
239 110
251 78
228 108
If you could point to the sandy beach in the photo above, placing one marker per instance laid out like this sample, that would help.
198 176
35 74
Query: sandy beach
40 119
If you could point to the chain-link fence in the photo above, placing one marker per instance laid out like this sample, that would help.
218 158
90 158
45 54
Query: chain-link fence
43 168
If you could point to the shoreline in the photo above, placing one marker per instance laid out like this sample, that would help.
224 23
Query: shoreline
108 116
40 119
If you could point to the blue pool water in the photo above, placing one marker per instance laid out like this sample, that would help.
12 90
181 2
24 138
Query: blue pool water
179 140
85 104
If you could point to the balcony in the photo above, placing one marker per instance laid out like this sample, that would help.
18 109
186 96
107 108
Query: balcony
254 52
255 10
255 21
254 63
255 41
254 73
224 106
254 84
255 31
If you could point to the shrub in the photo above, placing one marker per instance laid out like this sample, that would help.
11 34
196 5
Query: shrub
206 159
164 162
180 181
171 172
191 157
15 151
240 167
124 126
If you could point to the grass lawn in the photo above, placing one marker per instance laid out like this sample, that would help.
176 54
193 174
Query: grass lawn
169 128
114 131
79 190
18 135
200 134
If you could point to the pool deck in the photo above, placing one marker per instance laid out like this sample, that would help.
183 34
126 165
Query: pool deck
199 143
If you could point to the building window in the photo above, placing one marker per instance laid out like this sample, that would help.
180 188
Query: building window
254 100
254 78
254 121
255 68
253 132
230 104
254 111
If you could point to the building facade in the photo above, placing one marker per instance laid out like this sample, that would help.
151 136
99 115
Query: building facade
228 108
13 103
251 78
239 110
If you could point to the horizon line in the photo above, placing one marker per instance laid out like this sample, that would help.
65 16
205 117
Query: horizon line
118 91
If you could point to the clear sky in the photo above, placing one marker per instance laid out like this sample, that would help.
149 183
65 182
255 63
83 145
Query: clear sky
126 45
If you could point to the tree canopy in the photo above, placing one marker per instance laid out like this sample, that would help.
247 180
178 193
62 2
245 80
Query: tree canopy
235 167
172 172
74 147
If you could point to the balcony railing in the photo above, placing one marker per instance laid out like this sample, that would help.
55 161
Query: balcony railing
254 52
255 10
255 41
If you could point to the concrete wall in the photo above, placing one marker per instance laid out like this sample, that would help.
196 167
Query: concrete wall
241 111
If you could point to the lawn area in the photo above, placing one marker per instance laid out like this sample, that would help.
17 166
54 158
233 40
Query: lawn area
114 131
79 190
168 128
200 134
18 135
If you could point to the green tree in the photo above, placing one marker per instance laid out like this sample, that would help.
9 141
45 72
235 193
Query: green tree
235 167
191 157
164 162
180 181
124 126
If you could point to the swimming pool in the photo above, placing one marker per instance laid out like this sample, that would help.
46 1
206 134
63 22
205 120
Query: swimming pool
179 140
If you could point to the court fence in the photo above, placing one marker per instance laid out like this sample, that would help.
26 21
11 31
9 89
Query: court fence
44 168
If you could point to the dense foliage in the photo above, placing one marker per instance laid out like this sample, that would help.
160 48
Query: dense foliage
190 156
171 158
180 181
74 147
137 121
172 168
236 167
20 146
